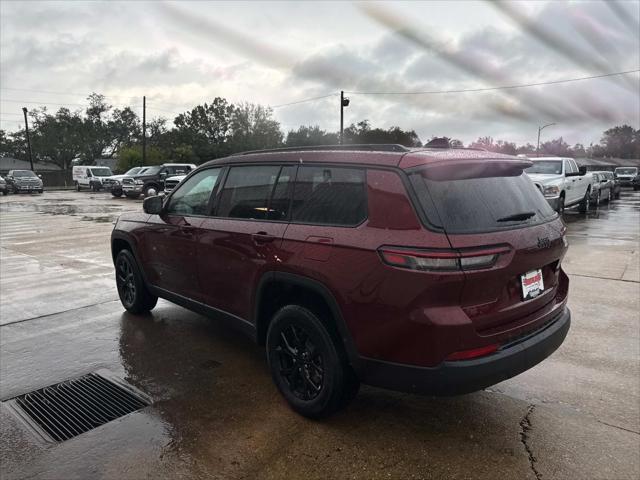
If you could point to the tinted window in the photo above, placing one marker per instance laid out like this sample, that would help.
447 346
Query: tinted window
329 195
481 204
551 167
192 198
246 192
23 173
281 199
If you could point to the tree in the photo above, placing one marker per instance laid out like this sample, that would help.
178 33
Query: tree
557 147
206 128
363 133
621 142
306 136
253 128
57 138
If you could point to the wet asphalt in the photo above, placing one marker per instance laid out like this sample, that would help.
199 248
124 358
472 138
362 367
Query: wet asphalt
216 413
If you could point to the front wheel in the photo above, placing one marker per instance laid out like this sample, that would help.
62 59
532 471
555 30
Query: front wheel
77 187
307 364
132 290
560 205
150 191
5 192
584 203
116 193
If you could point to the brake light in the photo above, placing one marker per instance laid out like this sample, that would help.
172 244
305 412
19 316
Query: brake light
441 260
473 353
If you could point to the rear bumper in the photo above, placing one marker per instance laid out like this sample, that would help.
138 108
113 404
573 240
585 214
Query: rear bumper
455 378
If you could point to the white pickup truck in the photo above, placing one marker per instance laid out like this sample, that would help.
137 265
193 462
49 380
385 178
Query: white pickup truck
562 182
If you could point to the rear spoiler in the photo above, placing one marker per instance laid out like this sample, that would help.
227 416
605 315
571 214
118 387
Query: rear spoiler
477 168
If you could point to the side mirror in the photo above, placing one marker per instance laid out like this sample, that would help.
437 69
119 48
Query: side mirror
582 170
163 175
39 176
152 205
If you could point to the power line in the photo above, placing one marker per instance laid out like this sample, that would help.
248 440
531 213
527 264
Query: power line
504 87
57 104
305 100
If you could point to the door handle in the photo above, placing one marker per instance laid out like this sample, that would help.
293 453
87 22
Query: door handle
262 237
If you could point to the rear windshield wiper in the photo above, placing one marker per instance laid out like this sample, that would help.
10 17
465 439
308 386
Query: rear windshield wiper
517 216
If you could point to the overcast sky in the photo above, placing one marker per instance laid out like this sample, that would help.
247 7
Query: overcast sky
181 54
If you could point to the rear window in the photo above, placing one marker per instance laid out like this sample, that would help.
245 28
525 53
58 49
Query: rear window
481 204
626 171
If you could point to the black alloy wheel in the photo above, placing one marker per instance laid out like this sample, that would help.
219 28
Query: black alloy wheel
308 363
133 292
300 363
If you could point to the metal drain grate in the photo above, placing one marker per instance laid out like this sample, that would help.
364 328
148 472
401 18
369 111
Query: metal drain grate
70 408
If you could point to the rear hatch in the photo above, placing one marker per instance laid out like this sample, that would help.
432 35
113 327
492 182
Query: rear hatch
494 216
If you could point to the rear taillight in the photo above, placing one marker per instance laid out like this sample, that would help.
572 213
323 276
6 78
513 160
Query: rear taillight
441 260
473 353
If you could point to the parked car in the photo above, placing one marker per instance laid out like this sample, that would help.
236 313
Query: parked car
625 175
601 188
3 186
562 182
151 181
436 271
113 183
614 184
635 183
85 176
172 182
24 181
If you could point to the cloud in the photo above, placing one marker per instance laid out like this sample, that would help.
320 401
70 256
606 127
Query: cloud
182 55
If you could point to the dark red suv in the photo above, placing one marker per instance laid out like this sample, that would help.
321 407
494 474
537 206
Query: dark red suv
434 271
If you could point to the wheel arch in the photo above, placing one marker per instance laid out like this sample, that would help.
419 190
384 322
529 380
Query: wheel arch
276 289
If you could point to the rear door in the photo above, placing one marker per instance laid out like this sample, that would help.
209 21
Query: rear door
243 238
493 215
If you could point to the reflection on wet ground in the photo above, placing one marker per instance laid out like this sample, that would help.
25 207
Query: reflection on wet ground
217 414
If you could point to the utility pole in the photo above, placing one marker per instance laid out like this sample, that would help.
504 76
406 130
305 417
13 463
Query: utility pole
26 126
539 130
144 130
344 102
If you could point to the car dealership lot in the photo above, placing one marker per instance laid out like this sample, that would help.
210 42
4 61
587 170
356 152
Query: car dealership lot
216 412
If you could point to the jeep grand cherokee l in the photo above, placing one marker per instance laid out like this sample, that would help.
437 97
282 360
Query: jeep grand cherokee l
435 271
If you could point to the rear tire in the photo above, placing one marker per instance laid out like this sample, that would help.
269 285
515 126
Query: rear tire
5 192
77 187
308 365
150 191
596 201
117 193
132 290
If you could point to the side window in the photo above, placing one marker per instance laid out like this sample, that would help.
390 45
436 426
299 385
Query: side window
281 198
88 172
567 167
574 167
192 197
246 192
330 196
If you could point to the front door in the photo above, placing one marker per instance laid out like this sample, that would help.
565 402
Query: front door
171 243
243 238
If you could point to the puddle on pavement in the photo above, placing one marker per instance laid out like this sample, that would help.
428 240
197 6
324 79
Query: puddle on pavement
103 219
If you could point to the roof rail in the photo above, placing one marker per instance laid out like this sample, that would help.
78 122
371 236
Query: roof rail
377 147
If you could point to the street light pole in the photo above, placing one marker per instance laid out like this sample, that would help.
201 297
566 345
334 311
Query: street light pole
539 130
344 102
26 126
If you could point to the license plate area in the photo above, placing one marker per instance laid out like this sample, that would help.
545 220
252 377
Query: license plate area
532 284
